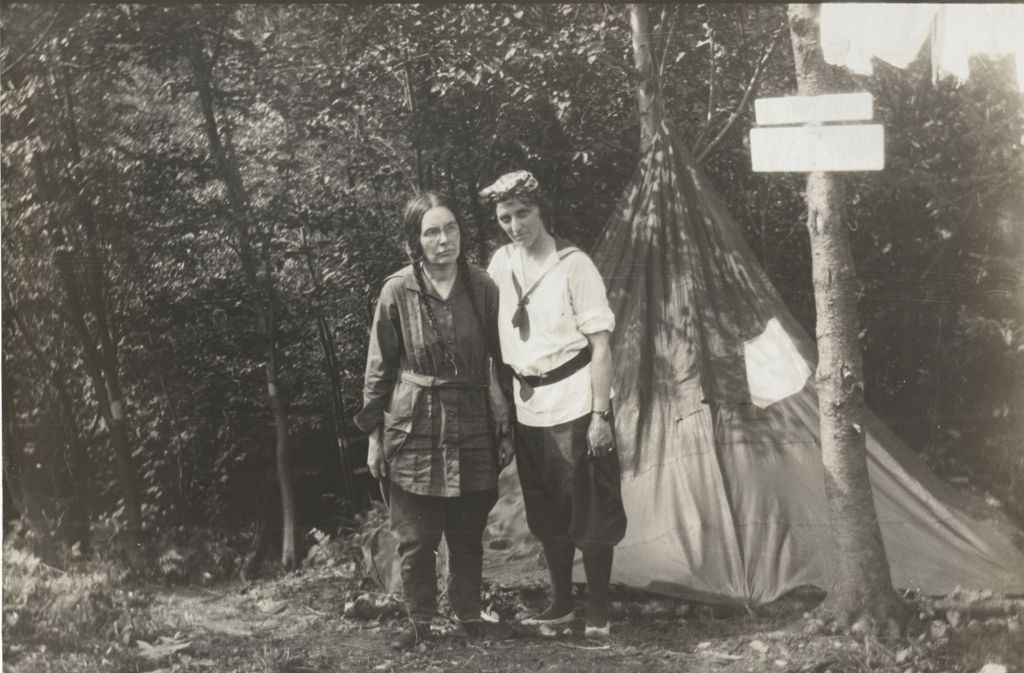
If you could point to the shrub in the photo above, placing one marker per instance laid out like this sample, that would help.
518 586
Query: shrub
58 607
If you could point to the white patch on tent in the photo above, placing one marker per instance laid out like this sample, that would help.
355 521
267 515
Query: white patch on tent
775 369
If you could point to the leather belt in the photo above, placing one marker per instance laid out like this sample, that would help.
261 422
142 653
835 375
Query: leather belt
559 373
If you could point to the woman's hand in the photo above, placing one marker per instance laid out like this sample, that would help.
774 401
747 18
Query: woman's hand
600 438
375 454
506 450
502 426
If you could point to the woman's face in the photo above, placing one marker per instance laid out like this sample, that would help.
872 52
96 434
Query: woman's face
520 221
439 236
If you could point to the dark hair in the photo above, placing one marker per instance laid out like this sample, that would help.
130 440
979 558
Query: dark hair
412 220
544 207
412 226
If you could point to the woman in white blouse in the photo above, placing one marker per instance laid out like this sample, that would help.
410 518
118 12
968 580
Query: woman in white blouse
554 325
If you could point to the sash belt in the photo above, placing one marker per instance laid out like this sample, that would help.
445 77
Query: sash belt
425 381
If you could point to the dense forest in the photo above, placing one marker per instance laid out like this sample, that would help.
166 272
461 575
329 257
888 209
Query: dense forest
200 204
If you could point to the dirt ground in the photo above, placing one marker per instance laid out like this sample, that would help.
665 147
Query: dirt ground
298 624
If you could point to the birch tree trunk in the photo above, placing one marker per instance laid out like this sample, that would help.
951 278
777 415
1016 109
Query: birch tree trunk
648 89
862 595
264 303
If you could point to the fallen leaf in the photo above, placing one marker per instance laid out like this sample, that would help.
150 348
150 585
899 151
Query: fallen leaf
274 607
992 667
723 655
758 646
164 648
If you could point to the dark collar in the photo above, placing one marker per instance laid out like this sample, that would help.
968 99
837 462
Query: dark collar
408 278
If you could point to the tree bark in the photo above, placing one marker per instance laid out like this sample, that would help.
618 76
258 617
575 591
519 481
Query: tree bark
76 530
111 408
16 487
264 303
648 89
101 366
862 595
330 354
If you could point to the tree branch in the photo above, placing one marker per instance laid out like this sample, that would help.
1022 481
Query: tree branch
751 88
668 41
13 311
35 45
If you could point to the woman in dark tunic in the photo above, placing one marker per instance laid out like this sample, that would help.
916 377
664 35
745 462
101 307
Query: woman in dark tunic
435 417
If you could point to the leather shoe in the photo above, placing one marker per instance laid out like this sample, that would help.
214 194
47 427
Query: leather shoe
598 632
408 637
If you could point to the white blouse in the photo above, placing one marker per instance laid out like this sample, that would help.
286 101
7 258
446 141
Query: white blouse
568 303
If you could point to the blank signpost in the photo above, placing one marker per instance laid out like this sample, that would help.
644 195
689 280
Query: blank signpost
811 140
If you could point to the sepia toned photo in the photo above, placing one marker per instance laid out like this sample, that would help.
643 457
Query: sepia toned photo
512 337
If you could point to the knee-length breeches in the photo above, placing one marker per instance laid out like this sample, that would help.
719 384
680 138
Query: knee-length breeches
570 496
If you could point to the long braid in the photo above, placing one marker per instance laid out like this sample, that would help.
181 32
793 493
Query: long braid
417 270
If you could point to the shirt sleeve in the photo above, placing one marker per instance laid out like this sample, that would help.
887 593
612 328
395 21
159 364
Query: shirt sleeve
504 371
491 316
588 296
495 266
382 360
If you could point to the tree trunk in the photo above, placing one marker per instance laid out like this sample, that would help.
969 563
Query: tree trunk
76 530
264 302
99 351
111 408
648 89
330 354
100 367
862 595
283 457
16 483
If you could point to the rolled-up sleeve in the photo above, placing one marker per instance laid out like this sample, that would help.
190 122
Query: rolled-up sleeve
588 296
382 360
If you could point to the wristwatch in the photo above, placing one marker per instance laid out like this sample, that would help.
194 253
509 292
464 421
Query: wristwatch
606 414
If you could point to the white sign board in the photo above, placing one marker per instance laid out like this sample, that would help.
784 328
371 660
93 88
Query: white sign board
814 109
801 149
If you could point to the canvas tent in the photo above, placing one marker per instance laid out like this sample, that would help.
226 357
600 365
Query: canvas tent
717 426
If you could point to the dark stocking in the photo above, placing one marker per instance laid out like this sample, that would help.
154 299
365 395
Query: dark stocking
559 558
598 566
